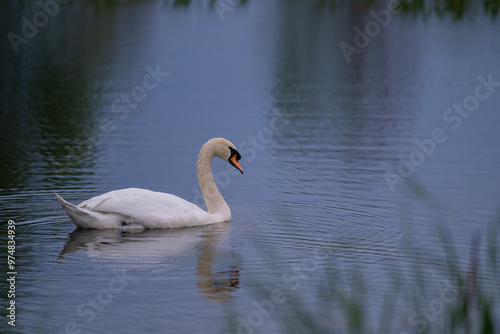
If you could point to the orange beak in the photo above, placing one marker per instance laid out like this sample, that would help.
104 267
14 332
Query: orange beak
236 164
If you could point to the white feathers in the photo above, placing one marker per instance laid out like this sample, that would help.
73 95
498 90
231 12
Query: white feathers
141 208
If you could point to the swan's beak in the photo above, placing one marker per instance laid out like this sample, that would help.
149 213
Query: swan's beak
235 163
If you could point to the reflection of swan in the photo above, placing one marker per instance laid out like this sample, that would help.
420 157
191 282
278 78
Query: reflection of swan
134 246
153 245
160 252
140 208
217 285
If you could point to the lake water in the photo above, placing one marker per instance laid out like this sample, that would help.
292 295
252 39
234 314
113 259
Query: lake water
367 204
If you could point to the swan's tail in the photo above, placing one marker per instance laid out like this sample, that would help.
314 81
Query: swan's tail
85 218
78 216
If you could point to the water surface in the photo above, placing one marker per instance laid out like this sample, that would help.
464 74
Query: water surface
315 221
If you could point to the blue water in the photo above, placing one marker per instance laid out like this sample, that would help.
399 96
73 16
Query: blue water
109 97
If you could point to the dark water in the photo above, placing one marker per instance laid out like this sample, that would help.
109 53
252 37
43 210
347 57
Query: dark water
330 233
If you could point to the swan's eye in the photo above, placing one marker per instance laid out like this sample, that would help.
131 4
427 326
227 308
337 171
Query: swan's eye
233 153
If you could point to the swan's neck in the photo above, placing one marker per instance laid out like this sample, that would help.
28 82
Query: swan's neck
213 198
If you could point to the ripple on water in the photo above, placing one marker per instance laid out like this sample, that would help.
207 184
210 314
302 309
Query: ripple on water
273 239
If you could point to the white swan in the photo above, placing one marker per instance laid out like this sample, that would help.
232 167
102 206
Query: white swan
141 208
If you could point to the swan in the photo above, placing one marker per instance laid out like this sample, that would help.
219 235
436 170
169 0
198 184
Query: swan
140 208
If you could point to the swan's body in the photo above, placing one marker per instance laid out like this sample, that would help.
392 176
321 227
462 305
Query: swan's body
141 208
138 208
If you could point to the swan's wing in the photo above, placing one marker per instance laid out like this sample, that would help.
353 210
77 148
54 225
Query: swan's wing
147 208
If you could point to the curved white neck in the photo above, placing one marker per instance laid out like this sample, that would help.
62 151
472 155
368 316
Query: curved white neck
213 198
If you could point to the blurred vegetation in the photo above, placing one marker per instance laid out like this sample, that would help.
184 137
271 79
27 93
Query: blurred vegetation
457 8
467 302
172 3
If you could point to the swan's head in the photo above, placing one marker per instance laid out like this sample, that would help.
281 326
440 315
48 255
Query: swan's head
227 151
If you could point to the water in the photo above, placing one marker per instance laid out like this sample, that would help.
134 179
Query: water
315 219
